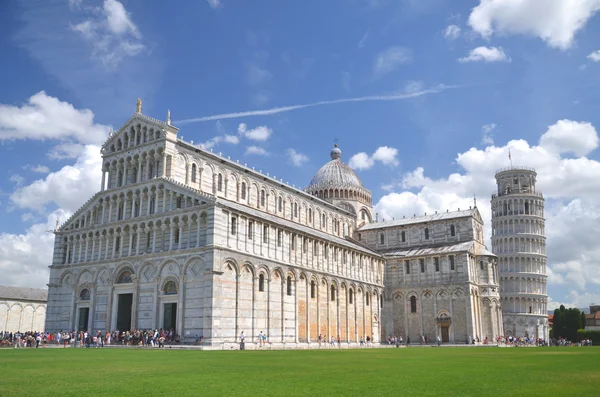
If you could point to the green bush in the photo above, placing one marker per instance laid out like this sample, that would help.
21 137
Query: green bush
586 334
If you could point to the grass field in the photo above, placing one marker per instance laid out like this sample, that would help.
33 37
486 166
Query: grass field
366 372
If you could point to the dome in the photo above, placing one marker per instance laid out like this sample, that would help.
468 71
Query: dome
335 174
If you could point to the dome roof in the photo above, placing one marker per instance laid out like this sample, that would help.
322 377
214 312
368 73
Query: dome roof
335 174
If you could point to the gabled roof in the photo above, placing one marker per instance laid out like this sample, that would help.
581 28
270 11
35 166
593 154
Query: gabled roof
472 212
23 294
168 181
293 225
467 246
138 117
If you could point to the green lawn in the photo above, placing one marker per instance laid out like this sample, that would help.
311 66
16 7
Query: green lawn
366 372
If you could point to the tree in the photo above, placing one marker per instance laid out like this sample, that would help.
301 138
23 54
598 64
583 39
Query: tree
567 322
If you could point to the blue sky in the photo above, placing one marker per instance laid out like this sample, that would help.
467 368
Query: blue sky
440 89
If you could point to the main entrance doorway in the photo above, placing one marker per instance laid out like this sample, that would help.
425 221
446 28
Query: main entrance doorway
445 333
84 314
124 312
170 316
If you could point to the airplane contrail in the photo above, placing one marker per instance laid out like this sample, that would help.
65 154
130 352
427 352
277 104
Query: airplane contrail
268 112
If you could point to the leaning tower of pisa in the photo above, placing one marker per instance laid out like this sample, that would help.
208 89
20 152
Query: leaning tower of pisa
519 241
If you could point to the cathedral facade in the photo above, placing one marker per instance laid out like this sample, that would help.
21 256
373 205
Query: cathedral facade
181 238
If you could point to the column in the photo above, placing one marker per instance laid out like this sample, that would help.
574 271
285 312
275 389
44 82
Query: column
139 170
171 237
110 206
94 238
188 223
92 309
124 181
130 242
103 180
198 235
137 241
180 306
133 202
85 255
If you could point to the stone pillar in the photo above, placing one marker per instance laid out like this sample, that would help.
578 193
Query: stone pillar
139 170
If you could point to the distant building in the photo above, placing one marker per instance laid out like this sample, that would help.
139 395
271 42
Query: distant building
592 320
440 280
22 309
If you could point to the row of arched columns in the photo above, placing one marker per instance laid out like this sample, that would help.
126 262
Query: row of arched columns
133 203
523 285
131 169
136 238
511 206
503 227
526 245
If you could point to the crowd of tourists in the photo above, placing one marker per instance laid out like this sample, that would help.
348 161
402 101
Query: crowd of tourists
566 342
145 338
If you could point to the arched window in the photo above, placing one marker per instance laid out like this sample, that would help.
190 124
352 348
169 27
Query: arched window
332 293
481 265
170 288
350 297
220 183
413 304
289 286
312 289
125 277
452 230
426 233
280 204
367 299
262 198
403 236
295 210
310 215
243 192
382 238
381 301
193 172
85 295
261 283
323 221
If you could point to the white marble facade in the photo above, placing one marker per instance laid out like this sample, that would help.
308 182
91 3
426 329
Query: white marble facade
519 240
440 280
180 237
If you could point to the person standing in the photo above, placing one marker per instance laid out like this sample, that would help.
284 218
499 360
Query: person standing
439 340
242 338
260 339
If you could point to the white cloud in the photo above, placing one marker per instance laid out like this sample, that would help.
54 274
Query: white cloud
214 3
111 33
233 139
361 161
452 32
40 169
297 159
594 56
17 179
554 21
568 136
256 150
260 133
486 54
488 138
569 185
24 258
66 151
390 59
68 187
46 117
384 154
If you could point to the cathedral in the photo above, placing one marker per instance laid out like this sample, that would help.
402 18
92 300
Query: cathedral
181 238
